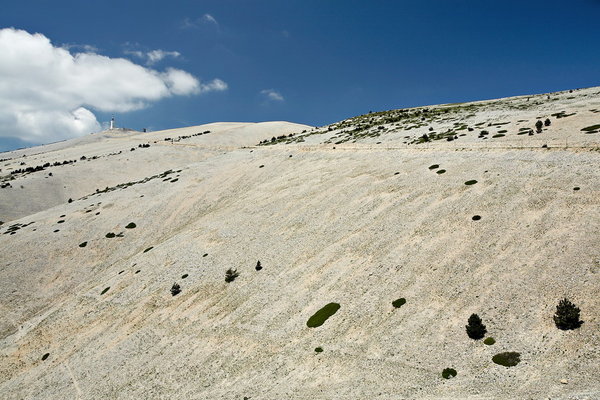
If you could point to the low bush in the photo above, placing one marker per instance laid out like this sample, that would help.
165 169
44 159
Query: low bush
230 275
319 318
448 373
399 302
507 359
175 289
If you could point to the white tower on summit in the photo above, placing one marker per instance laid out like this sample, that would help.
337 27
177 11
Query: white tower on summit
112 123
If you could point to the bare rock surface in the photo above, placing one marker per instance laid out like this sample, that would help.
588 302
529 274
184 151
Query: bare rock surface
357 213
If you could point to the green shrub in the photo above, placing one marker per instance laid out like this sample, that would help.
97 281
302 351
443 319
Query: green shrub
184 276
318 349
148 249
448 373
258 266
45 356
110 235
476 217
322 315
399 302
230 275
471 182
475 328
434 166
130 225
489 341
175 289
507 359
441 171
567 315
82 244
104 291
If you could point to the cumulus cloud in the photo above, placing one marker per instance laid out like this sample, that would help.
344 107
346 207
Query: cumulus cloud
272 95
48 93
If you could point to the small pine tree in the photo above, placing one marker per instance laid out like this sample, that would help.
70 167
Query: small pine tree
475 328
175 289
547 122
538 126
230 275
258 266
567 315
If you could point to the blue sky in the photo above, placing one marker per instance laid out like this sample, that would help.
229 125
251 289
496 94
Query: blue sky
309 61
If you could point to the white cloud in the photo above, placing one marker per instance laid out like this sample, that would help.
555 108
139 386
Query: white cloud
209 19
206 19
47 93
153 56
272 95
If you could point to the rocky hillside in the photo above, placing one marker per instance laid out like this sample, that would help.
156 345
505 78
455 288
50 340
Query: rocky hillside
130 269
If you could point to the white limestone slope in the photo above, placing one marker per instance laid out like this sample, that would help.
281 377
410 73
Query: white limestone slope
361 224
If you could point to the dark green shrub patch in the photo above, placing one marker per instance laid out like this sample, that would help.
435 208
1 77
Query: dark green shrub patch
318 349
489 341
45 356
148 249
130 225
441 171
476 217
576 188
322 315
399 302
105 290
82 244
471 182
175 289
231 274
184 276
434 166
448 373
110 235
507 359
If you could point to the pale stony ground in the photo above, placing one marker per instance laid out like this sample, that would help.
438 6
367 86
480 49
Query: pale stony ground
362 225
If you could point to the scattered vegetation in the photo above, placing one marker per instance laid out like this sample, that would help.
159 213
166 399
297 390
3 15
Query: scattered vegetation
82 244
318 349
175 289
231 274
434 166
489 341
507 359
45 356
130 225
475 328
105 290
440 172
322 315
471 182
110 235
258 266
476 217
567 315
448 373
399 302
